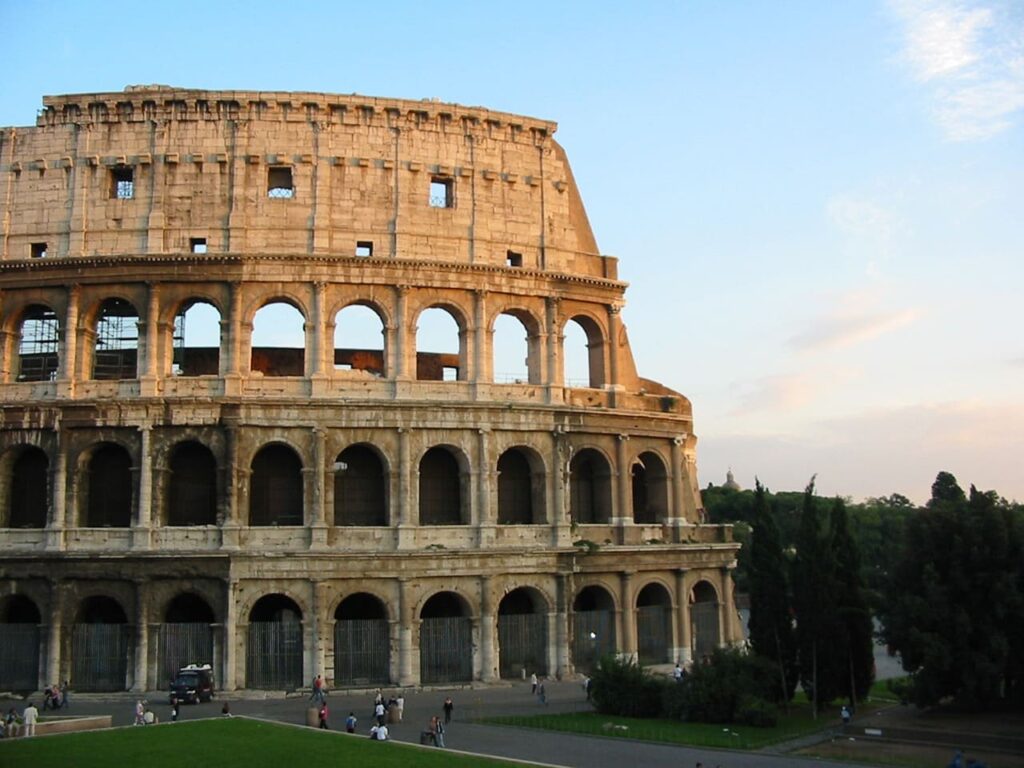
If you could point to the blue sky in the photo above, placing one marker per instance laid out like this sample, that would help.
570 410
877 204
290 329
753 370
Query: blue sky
818 206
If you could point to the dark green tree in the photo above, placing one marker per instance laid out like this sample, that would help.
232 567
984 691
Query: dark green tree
955 603
854 627
814 604
771 623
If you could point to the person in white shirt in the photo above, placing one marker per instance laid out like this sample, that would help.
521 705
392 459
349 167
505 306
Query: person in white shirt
30 716
379 733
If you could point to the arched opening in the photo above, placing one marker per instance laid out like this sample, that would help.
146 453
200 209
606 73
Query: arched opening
704 619
650 489
186 636
590 488
359 340
278 341
38 345
192 492
654 625
360 487
583 353
593 627
109 488
100 646
27 474
520 488
275 487
515 360
19 644
522 634
441 497
361 644
446 640
116 353
273 654
196 340
440 354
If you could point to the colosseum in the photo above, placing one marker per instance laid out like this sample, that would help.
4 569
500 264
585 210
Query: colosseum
182 481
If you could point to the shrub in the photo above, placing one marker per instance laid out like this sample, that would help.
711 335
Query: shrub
621 687
715 691
757 712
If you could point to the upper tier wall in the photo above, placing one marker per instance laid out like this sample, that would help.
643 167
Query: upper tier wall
361 171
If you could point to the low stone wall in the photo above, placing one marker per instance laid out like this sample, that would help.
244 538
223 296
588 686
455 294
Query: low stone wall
72 724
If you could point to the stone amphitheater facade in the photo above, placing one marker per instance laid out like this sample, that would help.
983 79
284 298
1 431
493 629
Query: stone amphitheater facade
386 516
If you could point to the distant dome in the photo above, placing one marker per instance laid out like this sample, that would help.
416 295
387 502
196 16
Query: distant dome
730 482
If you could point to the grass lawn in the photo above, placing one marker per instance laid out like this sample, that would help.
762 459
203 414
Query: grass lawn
797 723
225 743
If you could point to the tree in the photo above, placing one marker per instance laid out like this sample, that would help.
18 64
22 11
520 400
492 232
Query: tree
854 627
771 622
814 604
955 603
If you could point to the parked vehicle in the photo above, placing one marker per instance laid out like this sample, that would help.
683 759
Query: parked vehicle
193 684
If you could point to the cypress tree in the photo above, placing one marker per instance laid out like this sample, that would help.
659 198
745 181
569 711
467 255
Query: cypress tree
771 623
854 645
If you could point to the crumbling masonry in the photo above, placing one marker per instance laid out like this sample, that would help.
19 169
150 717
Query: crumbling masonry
385 515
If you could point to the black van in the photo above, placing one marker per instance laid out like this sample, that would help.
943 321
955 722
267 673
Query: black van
193 684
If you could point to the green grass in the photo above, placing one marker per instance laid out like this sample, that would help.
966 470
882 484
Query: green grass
234 743
798 723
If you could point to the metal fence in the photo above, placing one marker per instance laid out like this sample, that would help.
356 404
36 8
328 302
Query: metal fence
183 644
593 636
523 644
99 656
705 628
654 634
19 657
273 658
361 652
446 649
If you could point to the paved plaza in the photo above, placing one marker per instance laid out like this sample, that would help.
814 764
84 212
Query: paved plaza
462 734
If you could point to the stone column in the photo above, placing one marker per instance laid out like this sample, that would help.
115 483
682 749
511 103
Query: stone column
406 522
482 372
400 368
677 515
231 636
141 682
318 647
318 524
68 373
151 334
231 344
727 608
58 601
407 675
58 489
142 530
488 630
622 516
315 339
559 474
484 517
553 341
627 646
684 652
231 521
612 380
563 603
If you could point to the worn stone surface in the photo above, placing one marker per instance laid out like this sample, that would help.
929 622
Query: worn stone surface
511 237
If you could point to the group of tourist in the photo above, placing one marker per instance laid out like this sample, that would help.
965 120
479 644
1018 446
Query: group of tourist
55 697
12 725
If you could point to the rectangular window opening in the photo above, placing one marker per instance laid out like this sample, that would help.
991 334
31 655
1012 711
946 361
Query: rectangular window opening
513 259
197 244
441 193
122 182
449 373
38 250
279 182
364 248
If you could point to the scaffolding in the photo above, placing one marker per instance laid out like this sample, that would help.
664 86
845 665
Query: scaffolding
117 341
39 347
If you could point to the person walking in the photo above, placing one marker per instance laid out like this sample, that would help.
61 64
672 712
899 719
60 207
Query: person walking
318 690
541 693
323 715
378 712
448 706
30 716
175 706
533 683
350 723
140 712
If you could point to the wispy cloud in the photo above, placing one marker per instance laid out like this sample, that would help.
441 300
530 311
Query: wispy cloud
867 226
971 56
843 330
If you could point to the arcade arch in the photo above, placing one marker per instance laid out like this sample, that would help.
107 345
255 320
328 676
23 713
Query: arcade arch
446 639
361 643
273 653
593 627
522 634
